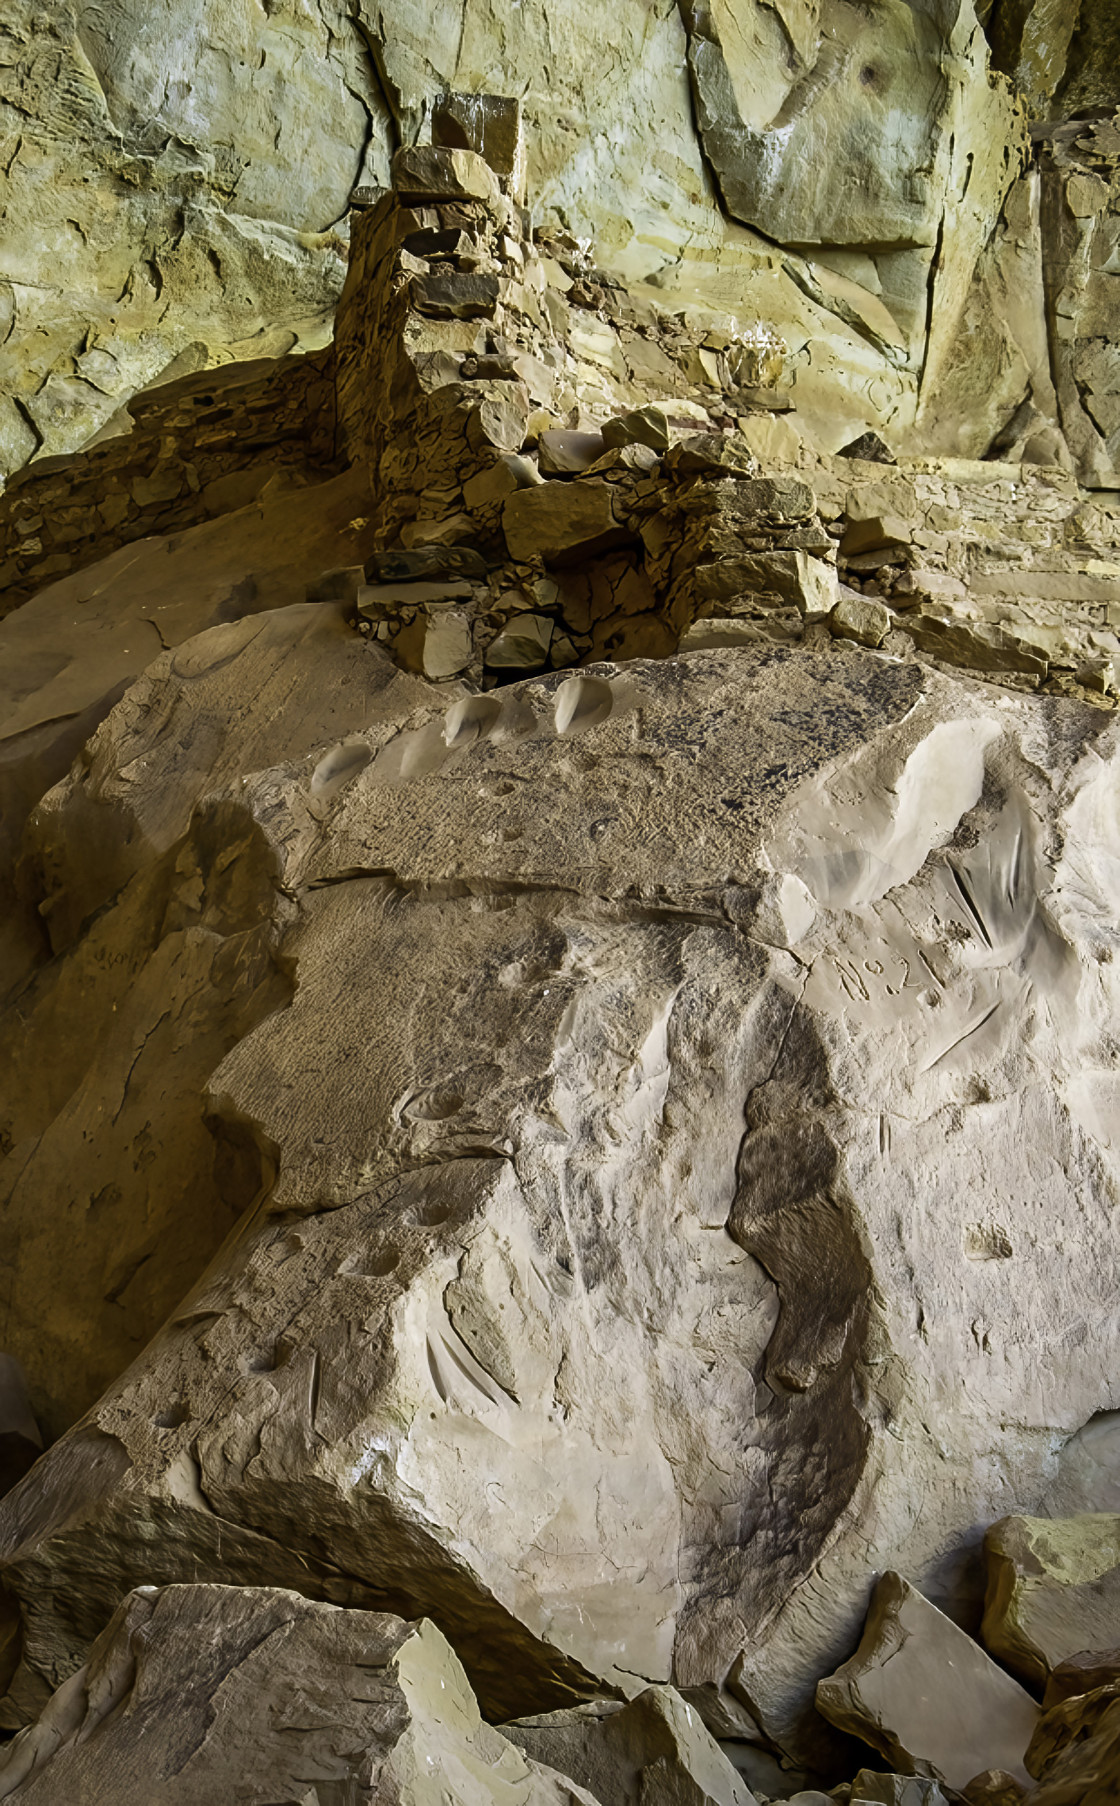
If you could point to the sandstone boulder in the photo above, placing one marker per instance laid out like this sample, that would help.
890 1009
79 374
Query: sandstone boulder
653 1752
548 1319
194 1694
1053 1588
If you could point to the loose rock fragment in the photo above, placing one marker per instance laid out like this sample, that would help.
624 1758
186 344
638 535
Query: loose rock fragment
642 426
1081 1673
859 618
564 454
1053 1588
522 646
709 454
1075 1751
195 1694
653 1752
926 1696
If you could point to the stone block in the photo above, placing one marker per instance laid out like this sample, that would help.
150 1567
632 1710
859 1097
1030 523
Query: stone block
710 454
568 454
643 426
437 644
859 618
508 472
926 1696
376 600
794 576
876 533
716 631
439 173
199 1694
975 645
1053 1589
872 1789
455 295
487 123
562 522
523 646
425 564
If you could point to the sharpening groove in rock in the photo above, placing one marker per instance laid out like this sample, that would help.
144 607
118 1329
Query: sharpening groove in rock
559 942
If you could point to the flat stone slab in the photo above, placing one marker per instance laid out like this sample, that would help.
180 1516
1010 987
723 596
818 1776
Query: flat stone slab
926 1696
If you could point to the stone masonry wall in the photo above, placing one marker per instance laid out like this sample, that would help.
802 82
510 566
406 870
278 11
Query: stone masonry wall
561 473
198 447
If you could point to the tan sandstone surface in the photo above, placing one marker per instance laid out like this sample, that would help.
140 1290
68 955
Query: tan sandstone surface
559 854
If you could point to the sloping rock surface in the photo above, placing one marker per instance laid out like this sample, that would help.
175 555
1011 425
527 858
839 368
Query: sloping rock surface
928 1697
205 1693
614 1273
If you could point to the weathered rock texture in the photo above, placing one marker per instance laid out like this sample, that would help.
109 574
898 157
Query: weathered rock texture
609 1163
186 452
620 1276
179 182
194 1694
1053 1588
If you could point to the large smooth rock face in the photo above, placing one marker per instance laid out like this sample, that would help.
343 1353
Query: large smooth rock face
176 171
195 1694
625 1277
926 1696
1053 1589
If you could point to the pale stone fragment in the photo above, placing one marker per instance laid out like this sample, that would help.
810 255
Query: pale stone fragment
926 1696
